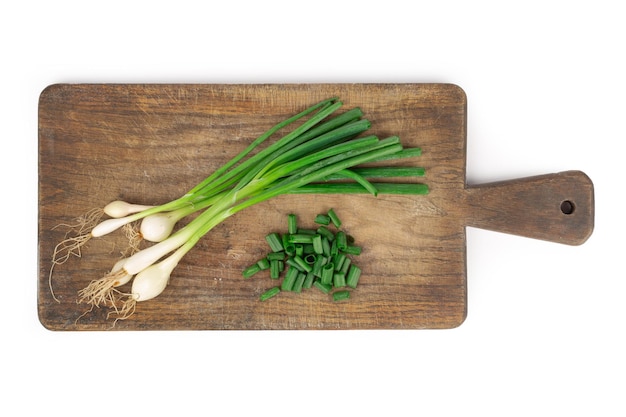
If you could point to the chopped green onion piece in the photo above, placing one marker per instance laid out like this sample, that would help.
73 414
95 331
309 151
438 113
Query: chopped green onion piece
276 256
308 280
352 279
326 247
291 261
269 293
317 266
334 218
275 242
290 279
302 264
341 295
251 270
334 249
327 273
346 265
297 285
342 240
325 288
263 264
322 219
352 250
338 260
323 230
292 223
275 269
310 259
317 244
290 249
339 279
300 238
307 249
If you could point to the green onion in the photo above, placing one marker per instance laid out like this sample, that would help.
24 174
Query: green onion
327 273
323 230
323 145
317 244
346 265
269 293
305 266
341 295
290 248
349 188
292 224
300 238
308 280
352 250
334 218
297 285
251 270
342 240
291 262
275 269
273 239
346 173
338 260
322 219
404 153
325 288
339 279
290 279
382 172
310 259
263 264
326 246
276 256
317 266
352 279
314 269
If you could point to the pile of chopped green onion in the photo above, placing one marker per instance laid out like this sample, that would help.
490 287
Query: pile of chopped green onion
322 154
306 258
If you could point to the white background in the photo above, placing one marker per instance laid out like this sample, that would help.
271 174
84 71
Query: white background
546 93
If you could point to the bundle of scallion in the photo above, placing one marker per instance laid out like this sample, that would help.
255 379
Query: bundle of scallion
308 159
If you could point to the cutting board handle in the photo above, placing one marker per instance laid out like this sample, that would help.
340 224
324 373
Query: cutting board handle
554 207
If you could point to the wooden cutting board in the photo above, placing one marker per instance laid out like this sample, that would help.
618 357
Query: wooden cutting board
149 144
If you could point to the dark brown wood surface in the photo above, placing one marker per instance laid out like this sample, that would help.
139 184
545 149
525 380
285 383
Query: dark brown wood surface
149 144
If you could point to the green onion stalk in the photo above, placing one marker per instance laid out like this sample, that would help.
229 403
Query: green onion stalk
321 155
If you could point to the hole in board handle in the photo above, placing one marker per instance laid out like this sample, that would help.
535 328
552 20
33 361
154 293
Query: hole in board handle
567 207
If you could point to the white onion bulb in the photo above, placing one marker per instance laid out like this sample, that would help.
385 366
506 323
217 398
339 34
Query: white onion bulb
117 209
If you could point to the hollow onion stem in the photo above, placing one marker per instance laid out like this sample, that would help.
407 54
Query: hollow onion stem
353 188
211 182
346 173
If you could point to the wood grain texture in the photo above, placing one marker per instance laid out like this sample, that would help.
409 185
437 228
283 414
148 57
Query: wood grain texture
555 207
150 143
